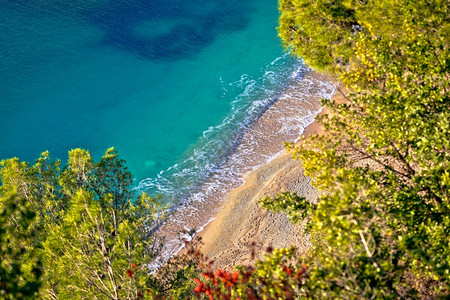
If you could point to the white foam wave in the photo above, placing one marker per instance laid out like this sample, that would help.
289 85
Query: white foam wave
266 112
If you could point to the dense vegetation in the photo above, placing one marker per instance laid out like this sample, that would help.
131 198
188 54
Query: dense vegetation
381 229
80 232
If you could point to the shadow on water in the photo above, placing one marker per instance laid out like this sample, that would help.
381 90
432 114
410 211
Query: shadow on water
193 25
187 26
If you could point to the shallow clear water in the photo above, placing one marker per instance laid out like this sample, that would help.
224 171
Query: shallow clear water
175 86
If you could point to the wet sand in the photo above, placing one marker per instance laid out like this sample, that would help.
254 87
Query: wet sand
242 231
259 142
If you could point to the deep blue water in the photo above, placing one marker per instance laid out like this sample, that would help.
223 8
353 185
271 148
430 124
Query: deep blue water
156 79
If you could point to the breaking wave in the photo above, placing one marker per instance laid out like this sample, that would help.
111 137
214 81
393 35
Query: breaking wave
264 113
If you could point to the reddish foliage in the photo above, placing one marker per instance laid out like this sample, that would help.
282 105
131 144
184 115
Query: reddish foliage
211 287
235 276
198 289
287 270
129 273
219 284
133 265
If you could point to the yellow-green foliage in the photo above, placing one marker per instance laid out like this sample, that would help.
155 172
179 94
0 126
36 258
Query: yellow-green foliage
20 267
79 232
382 228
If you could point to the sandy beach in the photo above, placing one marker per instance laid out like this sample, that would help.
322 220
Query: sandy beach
242 231
259 141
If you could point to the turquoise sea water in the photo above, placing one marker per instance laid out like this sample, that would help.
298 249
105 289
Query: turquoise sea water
145 76
173 85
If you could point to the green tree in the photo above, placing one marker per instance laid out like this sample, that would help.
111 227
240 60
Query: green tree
20 268
28 201
382 227
319 31
97 252
80 231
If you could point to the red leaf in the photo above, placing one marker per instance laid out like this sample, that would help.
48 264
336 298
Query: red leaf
235 276
129 273
219 273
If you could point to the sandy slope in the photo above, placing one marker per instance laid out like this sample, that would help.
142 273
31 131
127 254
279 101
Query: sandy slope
242 228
